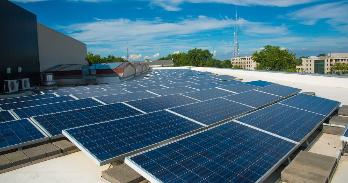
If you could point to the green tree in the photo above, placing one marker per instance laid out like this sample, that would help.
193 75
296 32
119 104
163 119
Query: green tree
274 58
340 68
322 55
95 58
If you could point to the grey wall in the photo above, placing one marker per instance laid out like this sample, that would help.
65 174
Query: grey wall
18 42
56 48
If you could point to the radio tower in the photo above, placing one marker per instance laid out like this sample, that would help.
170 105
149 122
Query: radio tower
235 38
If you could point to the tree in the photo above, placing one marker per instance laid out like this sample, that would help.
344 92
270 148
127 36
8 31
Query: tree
322 55
340 68
94 59
274 58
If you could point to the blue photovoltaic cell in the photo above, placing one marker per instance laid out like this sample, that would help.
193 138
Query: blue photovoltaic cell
285 121
227 153
259 83
208 94
212 111
238 88
105 141
16 133
125 97
160 103
30 103
312 103
174 90
57 107
25 98
280 90
254 98
55 123
5 116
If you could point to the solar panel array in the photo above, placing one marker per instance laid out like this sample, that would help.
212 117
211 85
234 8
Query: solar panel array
312 103
212 111
55 107
201 112
254 98
18 132
160 103
228 153
285 121
106 141
55 123
5 116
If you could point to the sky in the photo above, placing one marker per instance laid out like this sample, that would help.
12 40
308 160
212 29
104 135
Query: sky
155 28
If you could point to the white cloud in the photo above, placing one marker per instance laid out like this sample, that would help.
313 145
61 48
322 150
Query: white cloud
335 14
111 36
173 5
135 56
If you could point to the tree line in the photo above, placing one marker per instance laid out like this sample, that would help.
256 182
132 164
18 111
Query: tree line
97 59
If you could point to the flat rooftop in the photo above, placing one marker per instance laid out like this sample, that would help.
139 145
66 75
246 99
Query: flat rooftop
78 167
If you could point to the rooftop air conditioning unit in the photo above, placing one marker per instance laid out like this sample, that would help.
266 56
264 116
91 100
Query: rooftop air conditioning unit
24 84
11 86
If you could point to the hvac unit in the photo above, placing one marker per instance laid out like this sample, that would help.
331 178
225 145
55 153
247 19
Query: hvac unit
11 86
24 84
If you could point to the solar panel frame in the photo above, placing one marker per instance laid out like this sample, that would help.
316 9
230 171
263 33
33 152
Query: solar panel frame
344 137
152 178
67 133
28 142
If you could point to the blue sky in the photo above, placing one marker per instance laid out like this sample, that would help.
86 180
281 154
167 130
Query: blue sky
153 28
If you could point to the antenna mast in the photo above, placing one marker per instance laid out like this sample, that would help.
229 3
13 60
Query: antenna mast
235 37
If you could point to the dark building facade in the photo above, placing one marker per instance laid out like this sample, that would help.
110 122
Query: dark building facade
19 43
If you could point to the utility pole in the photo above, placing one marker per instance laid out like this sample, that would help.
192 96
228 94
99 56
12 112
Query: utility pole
235 37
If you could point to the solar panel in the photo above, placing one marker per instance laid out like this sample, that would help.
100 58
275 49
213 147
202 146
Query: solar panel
238 88
312 103
106 141
259 83
254 98
5 116
14 134
212 111
57 107
53 124
29 103
208 94
160 103
227 153
174 90
125 97
285 121
280 90
25 98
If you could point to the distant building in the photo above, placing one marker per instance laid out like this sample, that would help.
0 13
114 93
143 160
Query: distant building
323 64
246 63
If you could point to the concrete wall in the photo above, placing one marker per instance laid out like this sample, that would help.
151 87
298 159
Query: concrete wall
56 48
18 43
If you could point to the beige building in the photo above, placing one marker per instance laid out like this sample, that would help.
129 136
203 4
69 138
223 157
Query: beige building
246 63
322 65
